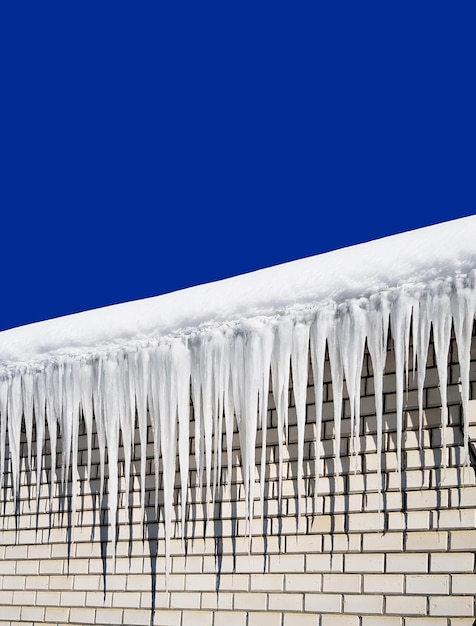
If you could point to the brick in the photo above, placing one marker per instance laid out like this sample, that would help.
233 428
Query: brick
13 582
456 518
250 564
48 598
458 562
11 612
427 621
304 543
341 583
185 600
463 583
197 618
133 617
264 619
73 598
82 615
51 566
325 563
387 542
131 599
200 582
364 562
323 602
97 599
296 619
285 602
16 552
57 583
23 597
267 582
234 582
419 542
303 582
286 563
33 613
230 619
109 616
384 583
452 606
87 583
427 584
250 601
339 620
360 604
162 618
366 522
406 605
381 621
37 582
214 601
57 614
463 540
22 567
407 563
137 582
6 597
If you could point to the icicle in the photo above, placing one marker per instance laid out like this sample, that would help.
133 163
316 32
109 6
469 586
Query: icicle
351 334
441 319
15 412
183 413
337 375
226 373
207 376
217 407
248 365
75 413
86 400
300 366
52 417
318 338
266 351
197 406
463 305
229 416
27 389
98 407
140 369
110 389
421 342
378 322
126 422
66 417
400 317
166 381
280 366
39 403
153 401
4 392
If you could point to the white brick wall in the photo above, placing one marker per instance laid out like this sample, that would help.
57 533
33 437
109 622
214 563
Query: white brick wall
406 558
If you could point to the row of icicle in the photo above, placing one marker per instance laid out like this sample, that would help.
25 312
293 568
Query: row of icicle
224 372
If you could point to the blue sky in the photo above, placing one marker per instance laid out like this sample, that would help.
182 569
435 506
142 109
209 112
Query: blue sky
146 148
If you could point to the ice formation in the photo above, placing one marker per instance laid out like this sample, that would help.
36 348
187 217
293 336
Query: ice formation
147 362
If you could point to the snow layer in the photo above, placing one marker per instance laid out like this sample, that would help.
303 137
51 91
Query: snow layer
215 345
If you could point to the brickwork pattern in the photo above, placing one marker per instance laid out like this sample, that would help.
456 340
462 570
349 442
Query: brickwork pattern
353 557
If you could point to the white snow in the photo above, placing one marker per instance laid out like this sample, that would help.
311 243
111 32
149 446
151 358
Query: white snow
216 344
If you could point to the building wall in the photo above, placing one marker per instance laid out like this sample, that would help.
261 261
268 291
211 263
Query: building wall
352 558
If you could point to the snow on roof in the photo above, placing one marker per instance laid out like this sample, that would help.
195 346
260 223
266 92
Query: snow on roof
412 258
215 345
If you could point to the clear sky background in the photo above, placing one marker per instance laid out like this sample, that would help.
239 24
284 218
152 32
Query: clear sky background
150 146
